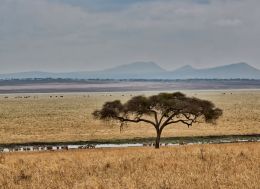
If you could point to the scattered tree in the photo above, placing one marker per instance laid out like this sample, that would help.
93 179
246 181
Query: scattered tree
160 111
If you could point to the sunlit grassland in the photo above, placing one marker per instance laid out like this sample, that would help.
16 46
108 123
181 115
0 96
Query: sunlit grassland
193 166
41 118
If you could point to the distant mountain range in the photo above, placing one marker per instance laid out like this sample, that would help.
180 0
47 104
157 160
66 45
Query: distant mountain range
150 70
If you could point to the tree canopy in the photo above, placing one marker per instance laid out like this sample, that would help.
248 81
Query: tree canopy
160 111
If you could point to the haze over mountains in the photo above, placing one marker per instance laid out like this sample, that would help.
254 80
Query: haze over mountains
150 70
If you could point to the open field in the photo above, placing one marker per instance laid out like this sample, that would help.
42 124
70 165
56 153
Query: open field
67 117
70 85
196 166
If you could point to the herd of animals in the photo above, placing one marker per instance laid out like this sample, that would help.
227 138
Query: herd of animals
61 96
66 147
55 148
44 148
92 146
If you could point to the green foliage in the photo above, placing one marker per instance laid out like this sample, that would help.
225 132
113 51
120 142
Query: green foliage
164 105
110 110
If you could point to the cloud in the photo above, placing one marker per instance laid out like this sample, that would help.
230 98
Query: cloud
229 22
66 35
101 5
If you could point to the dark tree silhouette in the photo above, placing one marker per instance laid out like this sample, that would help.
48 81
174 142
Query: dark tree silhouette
160 111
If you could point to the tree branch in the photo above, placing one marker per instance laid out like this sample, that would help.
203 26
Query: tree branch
161 119
155 117
122 119
189 121
186 122
168 119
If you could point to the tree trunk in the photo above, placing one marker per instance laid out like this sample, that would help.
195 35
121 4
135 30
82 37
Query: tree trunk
157 141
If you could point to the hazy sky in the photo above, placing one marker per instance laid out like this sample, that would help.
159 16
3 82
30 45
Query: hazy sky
72 35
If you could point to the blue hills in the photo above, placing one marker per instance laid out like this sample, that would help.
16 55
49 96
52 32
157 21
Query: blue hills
150 70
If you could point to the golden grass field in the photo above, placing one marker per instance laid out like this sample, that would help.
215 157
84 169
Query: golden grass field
222 166
41 118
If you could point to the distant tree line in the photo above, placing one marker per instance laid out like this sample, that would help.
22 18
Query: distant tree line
71 80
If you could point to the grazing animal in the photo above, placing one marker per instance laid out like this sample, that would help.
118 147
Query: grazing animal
182 143
91 146
59 147
49 148
65 148
35 148
151 144
26 148
41 148
6 150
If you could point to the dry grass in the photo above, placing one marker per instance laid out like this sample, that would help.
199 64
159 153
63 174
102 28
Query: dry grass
69 118
199 166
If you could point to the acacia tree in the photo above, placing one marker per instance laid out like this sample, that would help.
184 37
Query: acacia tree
160 111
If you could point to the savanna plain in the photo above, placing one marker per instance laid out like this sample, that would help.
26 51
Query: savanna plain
67 117
193 166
